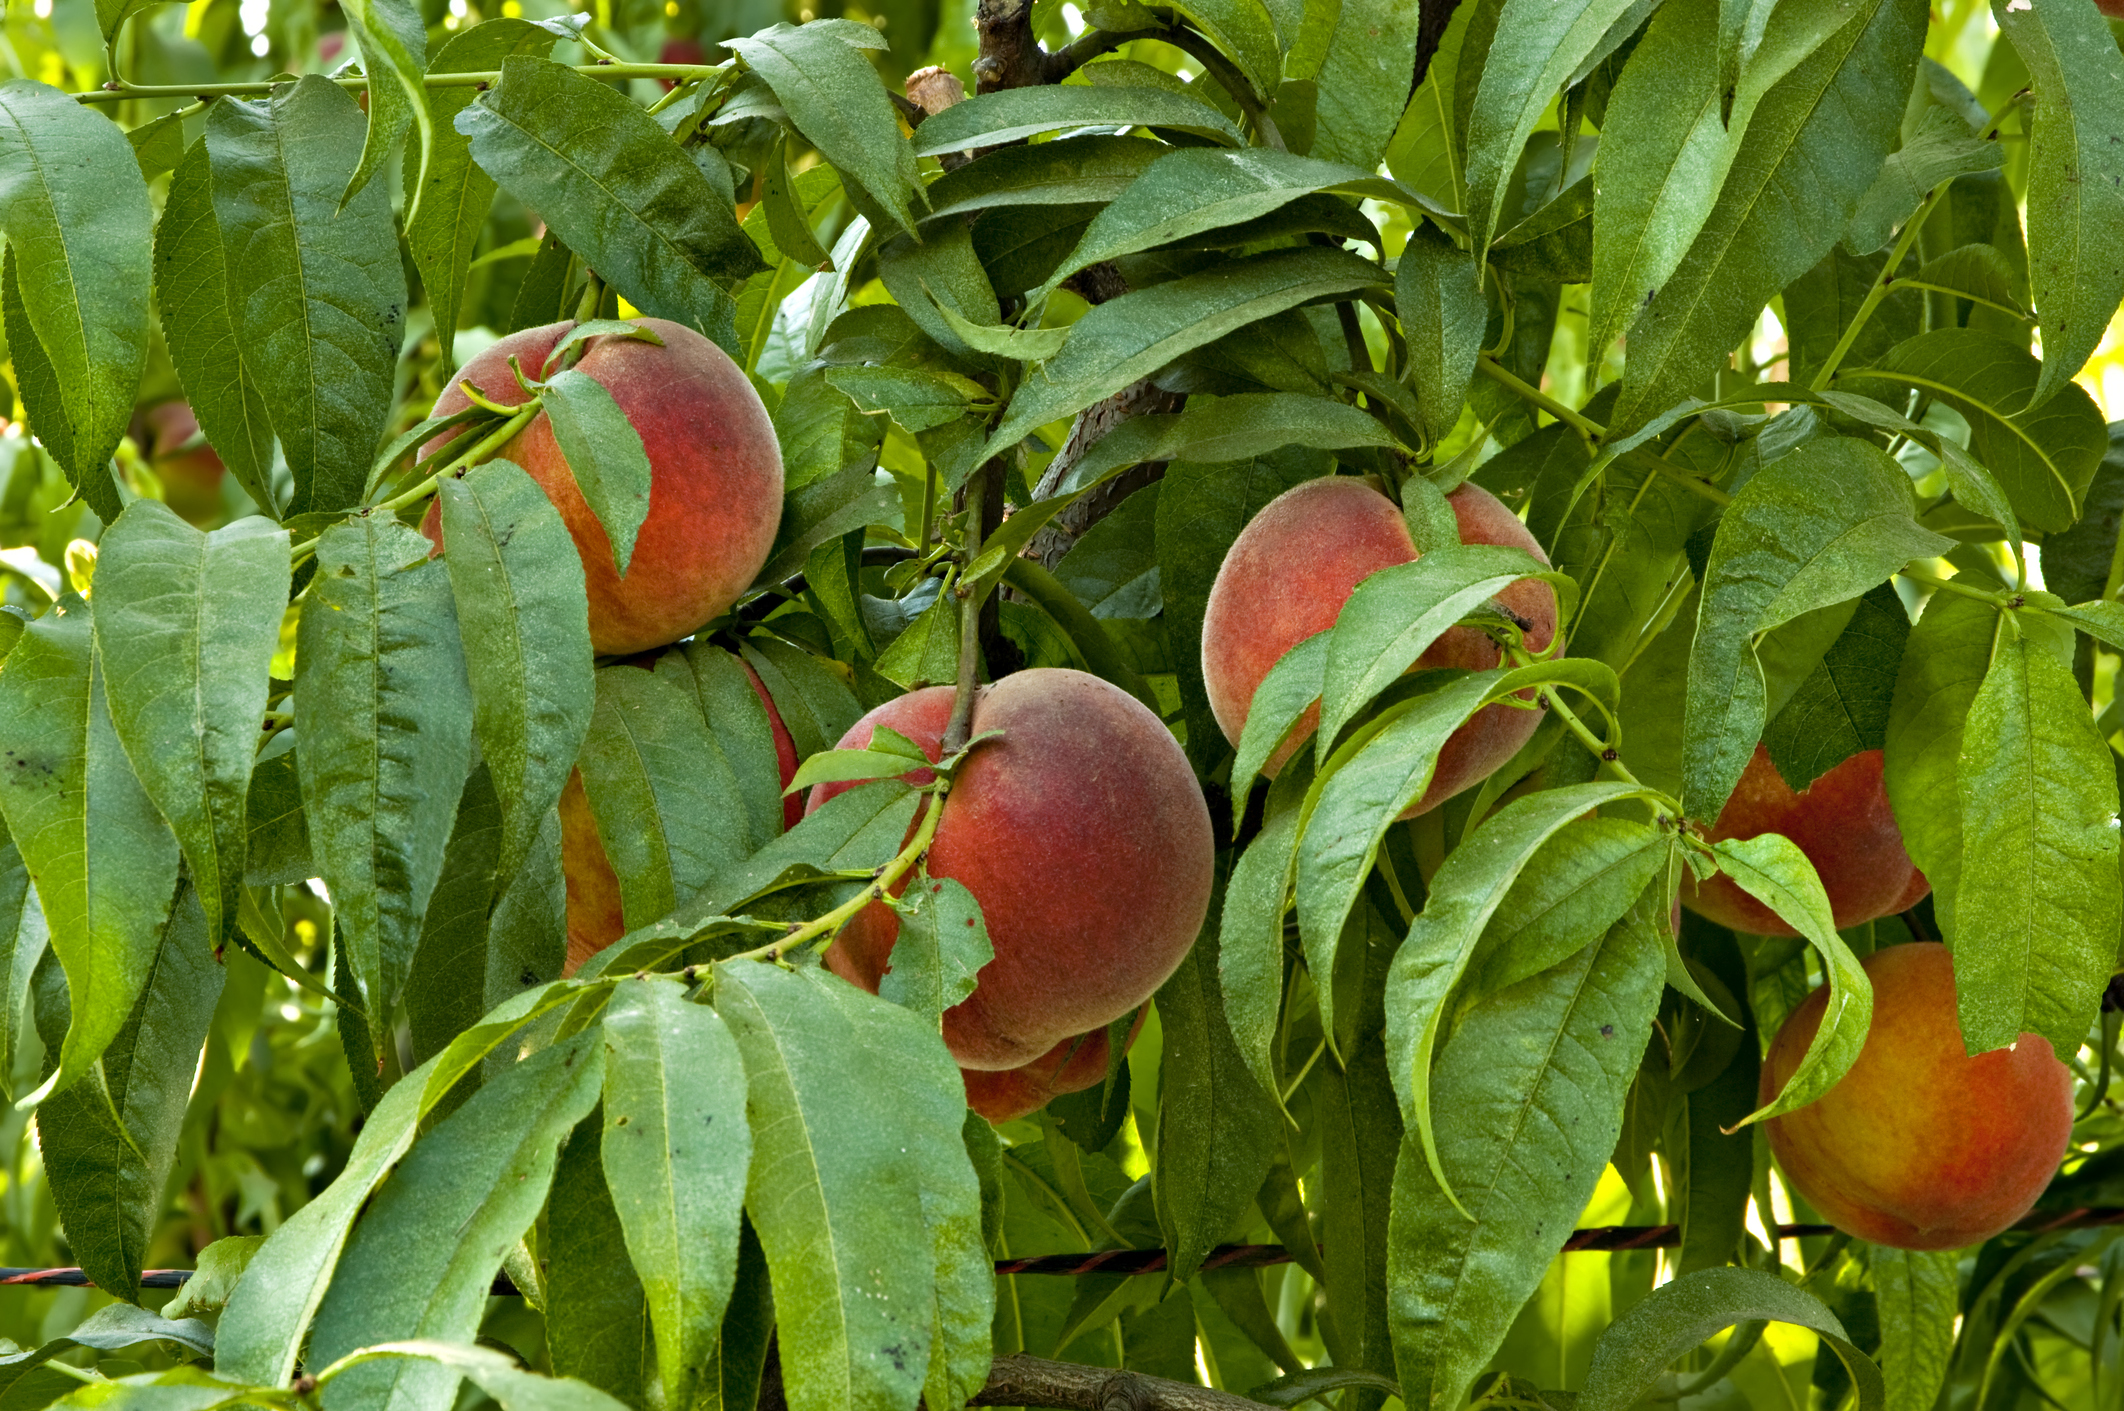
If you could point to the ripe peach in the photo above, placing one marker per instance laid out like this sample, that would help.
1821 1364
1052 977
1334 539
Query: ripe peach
680 51
595 919
190 474
1070 1066
715 491
1296 563
1083 835
1843 824
1920 1146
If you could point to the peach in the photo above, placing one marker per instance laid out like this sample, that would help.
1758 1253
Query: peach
190 473
1920 1146
595 918
1082 833
1071 1066
1295 564
1843 824
715 489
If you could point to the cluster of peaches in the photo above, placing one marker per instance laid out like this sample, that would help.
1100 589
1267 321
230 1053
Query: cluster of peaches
1084 836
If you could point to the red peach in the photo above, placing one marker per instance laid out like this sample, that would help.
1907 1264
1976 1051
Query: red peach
1084 837
191 474
1920 1146
1843 824
1071 1066
715 490
1296 563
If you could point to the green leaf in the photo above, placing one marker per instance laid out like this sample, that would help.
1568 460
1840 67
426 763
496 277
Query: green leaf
1226 428
454 194
104 862
1218 1126
1316 1382
1438 291
829 507
605 455
1285 695
1395 615
1193 190
666 800
447 986
737 713
2039 846
393 42
672 1072
1587 875
1943 667
108 1176
1245 30
992 119
75 212
317 296
1065 171
1531 1090
787 220
2075 178
199 324
1465 893
1715 1163
919 399
857 1165
384 714
1916 1293
261 1330
834 97
1815 143
612 185
1842 707
1365 61
816 706
2044 454
597 1317
498 1374
1250 929
521 611
1771 868
23 939
943 944
1537 47
1942 149
422 1258
186 628
1677 1316
1815 527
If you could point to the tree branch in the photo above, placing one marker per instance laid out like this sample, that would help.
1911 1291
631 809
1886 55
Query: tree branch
1019 1380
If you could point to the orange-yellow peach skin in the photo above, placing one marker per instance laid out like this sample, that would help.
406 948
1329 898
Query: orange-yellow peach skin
1920 1146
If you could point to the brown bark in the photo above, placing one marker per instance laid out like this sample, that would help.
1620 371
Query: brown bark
1058 535
1019 1380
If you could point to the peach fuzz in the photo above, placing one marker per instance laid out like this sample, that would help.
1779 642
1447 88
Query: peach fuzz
1082 833
715 488
1071 1066
1296 563
595 919
1843 824
1920 1146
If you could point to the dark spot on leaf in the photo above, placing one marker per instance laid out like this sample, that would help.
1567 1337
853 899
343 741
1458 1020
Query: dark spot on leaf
1607 1031
527 978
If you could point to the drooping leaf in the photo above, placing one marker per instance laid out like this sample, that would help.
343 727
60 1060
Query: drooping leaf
1916 1293
103 861
108 1182
612 185
393 41
1530 1093
1066 171
446 990
422 1259
1250 929
834 97
675 1151
23 940
186 627
455 194
1639 1345
1943 667
1815 527
946 944
1212 428
317 295
1438 292
1364 60
2075 178
75 212
498 1374
1842 707
1942 149
2039 848
384 713
992 119
597 1316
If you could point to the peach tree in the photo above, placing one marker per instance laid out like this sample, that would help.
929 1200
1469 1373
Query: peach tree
1166 705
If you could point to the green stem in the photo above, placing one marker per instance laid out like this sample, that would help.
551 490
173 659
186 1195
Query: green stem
1497 372
959 729
1882 281
118 91
829 925
480 450
1997 600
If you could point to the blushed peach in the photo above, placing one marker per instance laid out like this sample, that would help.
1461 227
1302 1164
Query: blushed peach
1920 1146
1843 824
715 488
1071 1066
1084 837
1296 563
